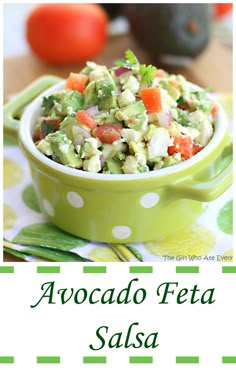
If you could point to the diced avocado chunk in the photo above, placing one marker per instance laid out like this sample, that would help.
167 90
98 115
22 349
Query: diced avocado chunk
133 115
126 98
151 130
90 95
105 85
107 117
106 91
110 150
90 148
112 166
172 91
62 103
67 124
44 147
63 149
107 103
169 161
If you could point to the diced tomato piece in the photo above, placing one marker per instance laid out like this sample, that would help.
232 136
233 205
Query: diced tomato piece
53 121
36 136
182 145
160 73
196 148
152 99
108 132
76 81
42 132
215 108
86 118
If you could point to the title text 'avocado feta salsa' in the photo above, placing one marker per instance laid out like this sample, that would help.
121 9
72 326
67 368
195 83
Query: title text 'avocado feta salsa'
131 118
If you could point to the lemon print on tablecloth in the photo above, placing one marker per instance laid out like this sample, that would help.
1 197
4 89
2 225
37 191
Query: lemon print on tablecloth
229 253
225 218
9 217
12 173
103 254
48 235
30 199
194 240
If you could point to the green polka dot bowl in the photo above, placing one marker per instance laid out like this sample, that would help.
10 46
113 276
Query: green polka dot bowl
120 208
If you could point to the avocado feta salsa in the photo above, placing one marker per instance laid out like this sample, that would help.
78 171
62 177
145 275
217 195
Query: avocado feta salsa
128 119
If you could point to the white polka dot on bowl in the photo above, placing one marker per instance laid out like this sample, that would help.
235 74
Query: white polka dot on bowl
121 232
149 200
75 199
48 208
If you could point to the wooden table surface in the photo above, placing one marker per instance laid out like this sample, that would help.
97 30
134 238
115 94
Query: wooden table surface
213 68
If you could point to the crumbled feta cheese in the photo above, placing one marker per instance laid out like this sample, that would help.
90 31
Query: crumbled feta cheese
190 131
97 73
91 65
132 84
130 165
64 147
69 110
141 158
131 135
126 98
206 132
196 116
158 143
45 147
93 164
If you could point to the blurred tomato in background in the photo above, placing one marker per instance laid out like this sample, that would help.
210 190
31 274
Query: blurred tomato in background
62 33
222 9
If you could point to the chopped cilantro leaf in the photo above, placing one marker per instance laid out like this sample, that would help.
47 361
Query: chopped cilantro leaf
47 128
147 73
131 57
129 61
183 119
182 102
48 103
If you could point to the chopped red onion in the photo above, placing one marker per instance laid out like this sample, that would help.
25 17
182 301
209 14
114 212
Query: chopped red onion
102 160
79 140
120 71
165 118
92 110
77 130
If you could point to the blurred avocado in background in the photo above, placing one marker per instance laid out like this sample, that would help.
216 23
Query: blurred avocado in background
113 9
171 33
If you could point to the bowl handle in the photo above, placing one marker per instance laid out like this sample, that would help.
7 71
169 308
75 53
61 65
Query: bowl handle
13 107
206 191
